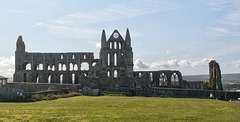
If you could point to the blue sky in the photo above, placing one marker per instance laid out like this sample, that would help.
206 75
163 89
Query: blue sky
177 34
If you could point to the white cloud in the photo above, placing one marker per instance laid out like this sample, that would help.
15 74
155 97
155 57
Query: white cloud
182 63
164 64
7 65
167 52
138 64
98 45
171 64
5 62
222 30
16 11
236 63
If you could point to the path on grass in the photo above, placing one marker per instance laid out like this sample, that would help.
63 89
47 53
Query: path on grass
238 102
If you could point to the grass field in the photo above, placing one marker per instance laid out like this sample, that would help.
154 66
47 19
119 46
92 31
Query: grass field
115 108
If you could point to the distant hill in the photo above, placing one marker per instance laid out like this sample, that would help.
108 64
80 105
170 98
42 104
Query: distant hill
226 78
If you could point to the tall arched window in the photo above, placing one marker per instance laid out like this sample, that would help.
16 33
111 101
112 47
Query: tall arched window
28 66
115 59
115 45
75 67
49 78
73 78
61 79
110 45
64 67
108 74
115 73
109 59
119 45
71 66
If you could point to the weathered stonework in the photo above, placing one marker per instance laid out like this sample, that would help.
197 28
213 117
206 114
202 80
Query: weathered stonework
112 71
214 81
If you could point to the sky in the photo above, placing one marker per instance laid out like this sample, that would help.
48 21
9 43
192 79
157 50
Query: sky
179 35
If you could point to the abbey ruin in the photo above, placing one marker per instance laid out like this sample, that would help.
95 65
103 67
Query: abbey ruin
112 72
113 69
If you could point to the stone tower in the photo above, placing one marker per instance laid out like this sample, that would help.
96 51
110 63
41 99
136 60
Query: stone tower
20 45
20 52
116 55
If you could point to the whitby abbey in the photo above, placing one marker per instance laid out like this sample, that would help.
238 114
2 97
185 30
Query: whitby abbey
112 72
113 69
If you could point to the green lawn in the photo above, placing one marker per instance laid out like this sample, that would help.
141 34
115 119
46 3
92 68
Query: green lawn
116 108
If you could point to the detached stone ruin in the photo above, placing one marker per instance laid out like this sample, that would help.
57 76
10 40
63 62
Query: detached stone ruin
214 82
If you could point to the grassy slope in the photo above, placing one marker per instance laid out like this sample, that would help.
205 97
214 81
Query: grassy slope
121 108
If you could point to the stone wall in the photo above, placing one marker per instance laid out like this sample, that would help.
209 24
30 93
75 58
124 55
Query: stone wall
14 91
195 93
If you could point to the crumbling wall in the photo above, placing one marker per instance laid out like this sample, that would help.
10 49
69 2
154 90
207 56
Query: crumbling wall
215 77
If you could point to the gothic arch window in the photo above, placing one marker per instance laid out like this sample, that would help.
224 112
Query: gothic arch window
162 80
84 57
40 67
28 66
174 79
49 78
84 66
73 56
115 59
49 67
115 73
60 67
37 78
94 63
140 74
73 78
61 79
64 67
71 67
75 68
108 73
110 45
61 56
53 68
151 76
115 45
109 59
119 45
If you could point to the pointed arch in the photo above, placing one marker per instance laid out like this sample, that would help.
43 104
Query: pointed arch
120 45
73 78
115 45
115 59
175 80
49 78
108 73
75 68
109 59
71 67
61 78
53 68
115 73
28 66
84 66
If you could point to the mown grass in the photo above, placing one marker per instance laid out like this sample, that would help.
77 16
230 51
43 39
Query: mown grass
119 108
